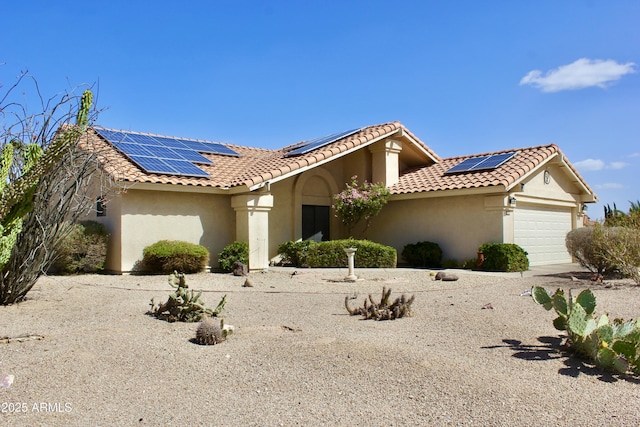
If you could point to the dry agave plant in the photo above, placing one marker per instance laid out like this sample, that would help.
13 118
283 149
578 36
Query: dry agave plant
383 310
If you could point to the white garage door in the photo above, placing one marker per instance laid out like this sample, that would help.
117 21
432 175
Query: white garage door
541 232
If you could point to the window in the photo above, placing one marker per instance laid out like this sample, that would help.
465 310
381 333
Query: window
101 206
315 222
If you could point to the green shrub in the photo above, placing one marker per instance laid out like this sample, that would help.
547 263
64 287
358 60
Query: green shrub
236 251
582 244
470 264
83 250
422 254
450 263
295 253
504 257
167 256
368 254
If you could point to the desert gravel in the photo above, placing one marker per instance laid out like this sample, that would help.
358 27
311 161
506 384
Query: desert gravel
474 352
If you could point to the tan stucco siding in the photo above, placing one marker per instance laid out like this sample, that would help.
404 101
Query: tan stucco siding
458 224
557 188
112 222
149 216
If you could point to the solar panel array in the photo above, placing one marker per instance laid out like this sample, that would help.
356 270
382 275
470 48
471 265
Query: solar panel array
481 163
165 155
306 146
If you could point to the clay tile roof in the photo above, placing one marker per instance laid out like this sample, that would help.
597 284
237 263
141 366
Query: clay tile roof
435 178
254 165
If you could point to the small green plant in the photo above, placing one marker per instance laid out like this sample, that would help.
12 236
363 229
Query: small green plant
504 257
166 256
236 251
610 345
295 253
422 254
183 305
383 310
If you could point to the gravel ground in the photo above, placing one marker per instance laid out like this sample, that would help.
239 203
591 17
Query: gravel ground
298 358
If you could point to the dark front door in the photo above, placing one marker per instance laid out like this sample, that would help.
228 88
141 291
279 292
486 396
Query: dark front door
315 222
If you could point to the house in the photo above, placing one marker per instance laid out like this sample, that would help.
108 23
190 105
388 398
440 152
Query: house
214 194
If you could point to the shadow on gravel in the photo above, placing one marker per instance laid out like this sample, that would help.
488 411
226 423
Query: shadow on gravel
548 349
551 348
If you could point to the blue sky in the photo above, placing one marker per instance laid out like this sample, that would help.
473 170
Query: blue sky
464 76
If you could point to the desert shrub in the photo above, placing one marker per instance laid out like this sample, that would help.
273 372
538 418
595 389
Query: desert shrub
470 264
83 250
422 254
295 253
504 257
167 256
450 263
620 246
589 252
368 254
236 251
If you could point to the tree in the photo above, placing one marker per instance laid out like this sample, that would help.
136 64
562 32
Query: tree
356 203
46 180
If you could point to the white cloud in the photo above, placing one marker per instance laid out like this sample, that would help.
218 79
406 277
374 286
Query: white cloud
578 75
618 165
590 165
609 186
634 155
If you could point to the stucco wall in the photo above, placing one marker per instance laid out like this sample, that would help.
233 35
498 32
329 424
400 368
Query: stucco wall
458 224
149 216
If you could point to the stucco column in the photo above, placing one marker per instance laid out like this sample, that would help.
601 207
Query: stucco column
385 167
252 226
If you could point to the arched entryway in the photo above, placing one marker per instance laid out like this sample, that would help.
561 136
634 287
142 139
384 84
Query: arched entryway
314 192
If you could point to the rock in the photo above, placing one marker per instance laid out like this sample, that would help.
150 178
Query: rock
239 269
446 277
248 283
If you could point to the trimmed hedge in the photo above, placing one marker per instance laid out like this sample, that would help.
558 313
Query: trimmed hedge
83 250
167 256
507 257
295 253
236 251
368 254
422 254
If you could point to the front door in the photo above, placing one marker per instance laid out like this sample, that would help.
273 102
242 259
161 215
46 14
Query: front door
315 222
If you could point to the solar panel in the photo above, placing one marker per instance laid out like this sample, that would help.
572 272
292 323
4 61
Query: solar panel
192 156
153 165
494 161
165 155
481 163
133 149
185 167
306 146
467 164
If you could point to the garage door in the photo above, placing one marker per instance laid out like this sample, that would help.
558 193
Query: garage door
541 232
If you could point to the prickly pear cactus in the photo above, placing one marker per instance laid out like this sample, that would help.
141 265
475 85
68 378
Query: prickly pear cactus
183 305
614 346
